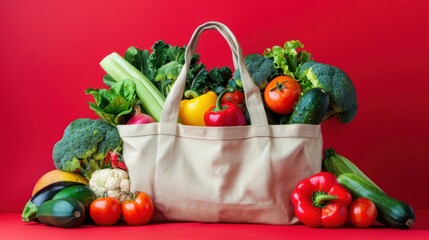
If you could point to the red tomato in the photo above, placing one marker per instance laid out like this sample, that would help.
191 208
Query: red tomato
281 94
105 211
138 209
236 97
362 212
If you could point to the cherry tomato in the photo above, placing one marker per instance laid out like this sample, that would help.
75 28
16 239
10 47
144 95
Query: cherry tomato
137 209
105 211
236 97
281 94
362 212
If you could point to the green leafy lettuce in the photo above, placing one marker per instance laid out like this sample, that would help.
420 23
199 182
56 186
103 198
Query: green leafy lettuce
288 58
114 104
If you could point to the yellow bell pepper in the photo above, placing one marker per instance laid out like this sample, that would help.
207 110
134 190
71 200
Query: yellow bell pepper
192 111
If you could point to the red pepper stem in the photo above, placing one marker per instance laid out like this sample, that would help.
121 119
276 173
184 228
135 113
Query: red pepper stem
219 99
321 199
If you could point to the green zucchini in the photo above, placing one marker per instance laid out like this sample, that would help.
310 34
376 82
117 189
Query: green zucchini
338 164
64 212
390 211
82 193
311 107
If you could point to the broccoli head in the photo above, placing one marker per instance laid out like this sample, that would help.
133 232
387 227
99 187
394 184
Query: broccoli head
343 99
85 145
301 75
260 68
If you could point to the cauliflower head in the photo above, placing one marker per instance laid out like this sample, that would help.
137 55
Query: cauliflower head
110 182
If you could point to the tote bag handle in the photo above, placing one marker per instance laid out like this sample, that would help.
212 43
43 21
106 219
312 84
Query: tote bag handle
252 93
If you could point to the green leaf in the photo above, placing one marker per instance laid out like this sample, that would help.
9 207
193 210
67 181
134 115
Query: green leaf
291 47
108 80
196 78
289 57
126 89
117 109
170 70
112 105
176 53
108 117
159 56
117 105
101 96
140 59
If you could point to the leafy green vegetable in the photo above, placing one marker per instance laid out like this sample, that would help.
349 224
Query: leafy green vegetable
197 75
215 80
162 66
139 59
163 53
113 105
167 74
288 58
84 146
218 78
260 68
301 75
343 99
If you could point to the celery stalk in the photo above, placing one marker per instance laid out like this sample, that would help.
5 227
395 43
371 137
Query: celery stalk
119 69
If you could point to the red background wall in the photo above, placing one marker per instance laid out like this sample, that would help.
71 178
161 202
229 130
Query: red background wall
50 53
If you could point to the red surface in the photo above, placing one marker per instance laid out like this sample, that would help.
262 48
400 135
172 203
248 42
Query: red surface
50 53
11 227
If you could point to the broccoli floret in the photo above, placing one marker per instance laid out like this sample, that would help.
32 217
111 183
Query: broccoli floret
301 76
84 146
261 69
347 116
343 99
303 70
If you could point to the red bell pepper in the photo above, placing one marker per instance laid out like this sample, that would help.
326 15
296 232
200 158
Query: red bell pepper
224 114
321 201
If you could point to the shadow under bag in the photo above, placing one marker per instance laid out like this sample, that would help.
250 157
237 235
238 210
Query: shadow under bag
220 174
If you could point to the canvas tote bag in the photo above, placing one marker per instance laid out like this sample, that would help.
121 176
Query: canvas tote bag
220 174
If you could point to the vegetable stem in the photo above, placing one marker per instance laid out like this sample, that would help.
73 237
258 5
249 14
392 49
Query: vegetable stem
219 106
195 78
320 199
119 69
191 94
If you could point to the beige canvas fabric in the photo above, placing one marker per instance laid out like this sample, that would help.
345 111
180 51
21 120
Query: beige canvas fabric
220 174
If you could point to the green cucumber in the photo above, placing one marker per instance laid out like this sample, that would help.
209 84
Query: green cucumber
64 212
311 107
338 164
390 211
82 193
